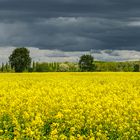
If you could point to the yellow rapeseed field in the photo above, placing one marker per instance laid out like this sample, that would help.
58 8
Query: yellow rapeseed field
70 106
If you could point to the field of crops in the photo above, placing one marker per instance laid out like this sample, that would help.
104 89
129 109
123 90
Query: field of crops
70 106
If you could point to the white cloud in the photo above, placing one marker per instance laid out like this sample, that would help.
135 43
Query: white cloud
134 23
118 55
61 56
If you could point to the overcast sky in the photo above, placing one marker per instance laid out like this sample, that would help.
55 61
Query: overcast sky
62 30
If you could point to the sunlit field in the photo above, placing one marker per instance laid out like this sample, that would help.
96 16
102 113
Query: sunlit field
70 106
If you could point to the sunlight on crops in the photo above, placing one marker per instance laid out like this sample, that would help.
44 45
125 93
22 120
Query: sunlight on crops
73 106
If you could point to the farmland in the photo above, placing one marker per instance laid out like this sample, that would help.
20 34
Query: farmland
73 106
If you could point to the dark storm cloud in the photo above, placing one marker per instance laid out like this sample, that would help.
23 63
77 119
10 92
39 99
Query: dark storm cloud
71 25
55 8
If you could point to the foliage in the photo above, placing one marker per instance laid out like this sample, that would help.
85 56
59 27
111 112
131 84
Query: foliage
20 59
136 68
71 106
86 63
46 67
6 68
55 67
116 66
63 67
99 66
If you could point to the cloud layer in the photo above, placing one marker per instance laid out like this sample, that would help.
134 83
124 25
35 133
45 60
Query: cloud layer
44 55
71 25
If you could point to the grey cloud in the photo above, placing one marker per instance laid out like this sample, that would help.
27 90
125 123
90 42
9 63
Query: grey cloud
71 34
69 8
71 25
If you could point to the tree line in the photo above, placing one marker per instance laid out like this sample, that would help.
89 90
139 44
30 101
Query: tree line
20 61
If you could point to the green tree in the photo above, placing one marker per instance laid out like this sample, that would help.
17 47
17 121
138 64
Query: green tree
86 63
2 67
20 59
136 68
34 66
63 67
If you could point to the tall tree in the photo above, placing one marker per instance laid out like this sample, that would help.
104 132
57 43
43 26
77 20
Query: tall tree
86 63
34 66
20 59
136 68
2 67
